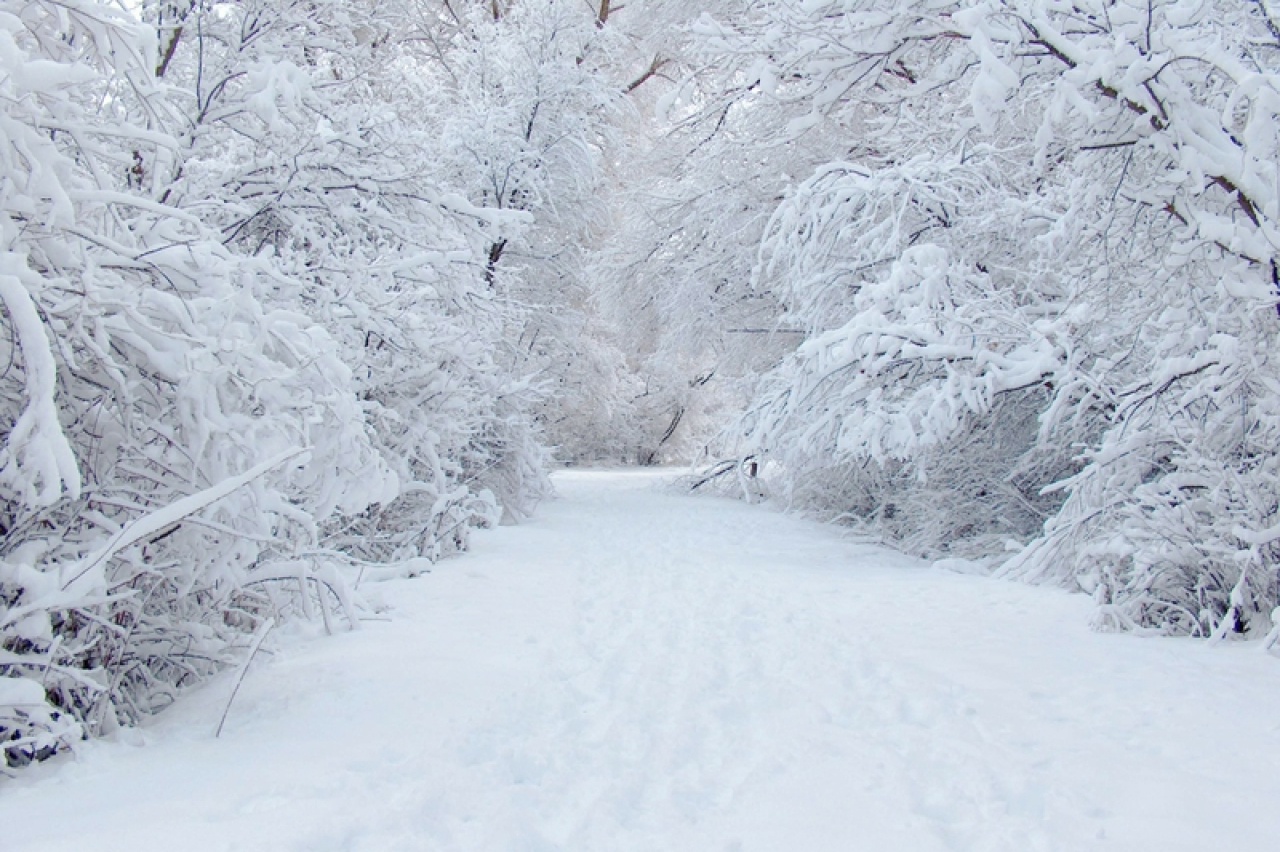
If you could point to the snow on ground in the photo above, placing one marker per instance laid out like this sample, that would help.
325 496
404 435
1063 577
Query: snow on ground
637 670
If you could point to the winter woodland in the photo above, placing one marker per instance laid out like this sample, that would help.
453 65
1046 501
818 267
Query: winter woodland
296 294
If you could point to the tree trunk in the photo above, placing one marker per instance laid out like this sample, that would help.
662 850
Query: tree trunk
491 267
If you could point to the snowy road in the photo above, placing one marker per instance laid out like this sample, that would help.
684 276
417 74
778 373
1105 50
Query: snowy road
635 670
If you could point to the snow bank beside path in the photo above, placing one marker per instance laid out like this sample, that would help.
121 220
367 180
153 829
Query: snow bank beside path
636 670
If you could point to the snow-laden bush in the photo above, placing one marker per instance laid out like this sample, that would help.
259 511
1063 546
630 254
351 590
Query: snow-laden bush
171 442
928 395
309 147
221 360
1044 281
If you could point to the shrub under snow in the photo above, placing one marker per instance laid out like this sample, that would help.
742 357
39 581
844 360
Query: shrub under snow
1040 287
221 399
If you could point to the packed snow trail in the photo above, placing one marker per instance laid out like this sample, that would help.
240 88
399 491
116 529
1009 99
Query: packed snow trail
637 670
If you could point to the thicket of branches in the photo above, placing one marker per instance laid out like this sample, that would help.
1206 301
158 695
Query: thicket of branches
1038 281
250 350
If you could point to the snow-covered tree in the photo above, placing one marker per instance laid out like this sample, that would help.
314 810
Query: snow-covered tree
308 133
170 442
248 353
551 110
523 112
1039 284
702 170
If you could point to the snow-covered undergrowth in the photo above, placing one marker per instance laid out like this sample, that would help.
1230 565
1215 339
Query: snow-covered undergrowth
247 352
637 670
1039 288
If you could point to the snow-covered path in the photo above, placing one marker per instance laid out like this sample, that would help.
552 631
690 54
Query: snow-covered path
636 670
